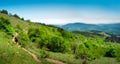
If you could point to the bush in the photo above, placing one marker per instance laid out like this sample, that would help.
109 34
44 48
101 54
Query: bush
9 30
23 39
6 25
84 53
58 44
112 52
3 22
89 51
44 54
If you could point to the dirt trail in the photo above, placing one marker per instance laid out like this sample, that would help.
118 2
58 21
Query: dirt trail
54 61
33 55
37 60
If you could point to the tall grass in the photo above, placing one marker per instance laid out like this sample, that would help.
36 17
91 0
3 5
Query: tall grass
12 54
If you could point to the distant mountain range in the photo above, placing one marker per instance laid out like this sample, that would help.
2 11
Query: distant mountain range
109 28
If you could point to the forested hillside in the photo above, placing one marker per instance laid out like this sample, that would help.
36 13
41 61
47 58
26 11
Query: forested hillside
47 41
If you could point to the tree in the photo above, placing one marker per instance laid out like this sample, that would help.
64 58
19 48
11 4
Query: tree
58 44
22 18
15 15
4 11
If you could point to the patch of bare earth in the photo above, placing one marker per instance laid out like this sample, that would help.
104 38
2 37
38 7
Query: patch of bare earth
54 61
33 55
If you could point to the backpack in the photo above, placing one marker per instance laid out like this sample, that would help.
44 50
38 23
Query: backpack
16 39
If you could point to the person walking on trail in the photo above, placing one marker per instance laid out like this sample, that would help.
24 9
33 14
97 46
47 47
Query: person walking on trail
15 38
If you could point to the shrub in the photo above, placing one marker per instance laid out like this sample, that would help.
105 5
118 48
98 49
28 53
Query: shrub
23 39
89 51
84 53
6 25
44 54
112 52
9 30
58 44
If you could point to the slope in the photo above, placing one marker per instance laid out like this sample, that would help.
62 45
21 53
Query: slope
22 27
46 41
12 54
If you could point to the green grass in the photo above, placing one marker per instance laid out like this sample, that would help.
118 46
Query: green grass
43 61
70 58
104 60
67 58
15 21
12 54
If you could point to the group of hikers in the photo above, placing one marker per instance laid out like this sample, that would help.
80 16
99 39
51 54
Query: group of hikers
15 38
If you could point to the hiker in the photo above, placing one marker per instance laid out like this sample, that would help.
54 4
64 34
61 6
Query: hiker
15 39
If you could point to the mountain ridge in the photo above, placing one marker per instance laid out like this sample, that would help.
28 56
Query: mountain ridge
112 28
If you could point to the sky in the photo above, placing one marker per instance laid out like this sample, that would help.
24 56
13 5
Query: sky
65 11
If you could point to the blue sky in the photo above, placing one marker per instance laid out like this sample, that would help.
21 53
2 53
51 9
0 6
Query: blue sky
65 11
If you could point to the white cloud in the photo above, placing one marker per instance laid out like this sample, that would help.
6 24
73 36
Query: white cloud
63 15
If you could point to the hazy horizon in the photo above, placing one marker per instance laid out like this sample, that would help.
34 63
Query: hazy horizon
65 11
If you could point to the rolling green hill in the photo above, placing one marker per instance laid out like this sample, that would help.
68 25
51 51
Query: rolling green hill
109 28
49 42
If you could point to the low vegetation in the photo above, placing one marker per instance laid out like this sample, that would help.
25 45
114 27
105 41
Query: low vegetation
47 41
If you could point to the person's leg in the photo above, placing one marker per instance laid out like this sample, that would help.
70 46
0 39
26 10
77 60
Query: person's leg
17 43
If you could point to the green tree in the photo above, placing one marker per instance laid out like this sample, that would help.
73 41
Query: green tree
4 11
15 15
